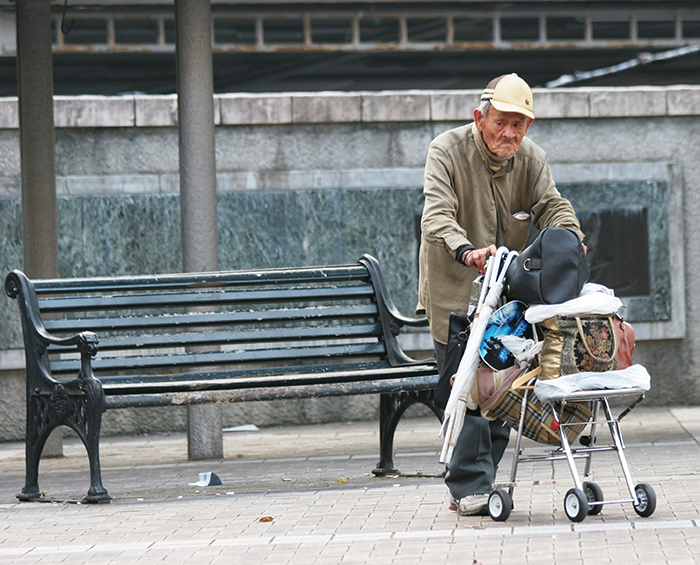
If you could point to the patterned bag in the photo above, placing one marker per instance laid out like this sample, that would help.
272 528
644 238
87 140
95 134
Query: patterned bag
573 344
540 424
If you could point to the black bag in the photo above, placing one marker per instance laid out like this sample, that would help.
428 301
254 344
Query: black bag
550 271
458 333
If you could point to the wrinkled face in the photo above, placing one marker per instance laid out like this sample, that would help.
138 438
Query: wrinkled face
502 131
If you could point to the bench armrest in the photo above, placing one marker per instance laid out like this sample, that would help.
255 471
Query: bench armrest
36 338
392 320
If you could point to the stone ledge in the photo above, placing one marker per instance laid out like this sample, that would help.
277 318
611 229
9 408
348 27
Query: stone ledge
361 107
9 113
683 101
627 102
155 111
561 103
93 111
410 106
255 109
326 107
453 105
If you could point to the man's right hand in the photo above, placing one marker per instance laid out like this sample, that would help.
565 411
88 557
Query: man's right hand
476 258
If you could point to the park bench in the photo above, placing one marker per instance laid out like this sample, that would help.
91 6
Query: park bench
93 344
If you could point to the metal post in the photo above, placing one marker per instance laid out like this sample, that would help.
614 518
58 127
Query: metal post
200 239
37 151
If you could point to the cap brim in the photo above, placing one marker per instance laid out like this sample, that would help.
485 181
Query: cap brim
503 107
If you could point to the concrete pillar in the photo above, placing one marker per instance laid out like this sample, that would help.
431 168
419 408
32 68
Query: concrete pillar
37 151
200 238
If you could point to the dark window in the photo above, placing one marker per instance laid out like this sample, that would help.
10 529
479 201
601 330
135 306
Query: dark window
283 31
618 247
656 30
426 29
234 31
611 30
565 28
473 29
87 31
379 30
520 29
336 30
169 26
136 31
691 29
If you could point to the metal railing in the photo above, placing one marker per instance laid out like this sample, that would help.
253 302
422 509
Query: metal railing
388 30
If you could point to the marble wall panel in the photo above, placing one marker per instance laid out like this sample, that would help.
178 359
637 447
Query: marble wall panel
10 259
259 229
320 227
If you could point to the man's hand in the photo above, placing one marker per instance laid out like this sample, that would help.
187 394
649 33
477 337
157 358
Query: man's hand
476 258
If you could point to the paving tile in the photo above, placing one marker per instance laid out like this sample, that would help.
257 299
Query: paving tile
157 516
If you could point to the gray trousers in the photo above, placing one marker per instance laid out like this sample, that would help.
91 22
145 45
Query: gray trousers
479 449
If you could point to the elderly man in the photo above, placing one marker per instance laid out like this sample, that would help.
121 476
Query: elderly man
484 182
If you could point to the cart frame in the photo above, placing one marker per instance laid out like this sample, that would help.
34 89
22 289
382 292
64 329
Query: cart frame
585 498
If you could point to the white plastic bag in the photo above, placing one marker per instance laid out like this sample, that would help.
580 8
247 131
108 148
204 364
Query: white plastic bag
594 299
635 376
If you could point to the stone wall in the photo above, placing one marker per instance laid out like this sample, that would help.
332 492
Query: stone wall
325 177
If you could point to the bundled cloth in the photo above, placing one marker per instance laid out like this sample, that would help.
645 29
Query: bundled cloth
540 424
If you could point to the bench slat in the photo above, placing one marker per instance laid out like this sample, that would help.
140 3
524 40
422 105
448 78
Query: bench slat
200 382
273 335
247 395
209 318
257 373
195 299
181 281
140 363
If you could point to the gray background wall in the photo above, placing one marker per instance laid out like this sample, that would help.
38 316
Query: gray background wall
323 178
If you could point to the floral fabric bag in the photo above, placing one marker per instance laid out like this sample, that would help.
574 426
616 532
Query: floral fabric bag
573 344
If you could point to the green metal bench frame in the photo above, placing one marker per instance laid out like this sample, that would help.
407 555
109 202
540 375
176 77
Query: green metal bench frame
94 344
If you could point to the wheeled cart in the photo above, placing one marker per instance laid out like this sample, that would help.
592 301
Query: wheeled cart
586 497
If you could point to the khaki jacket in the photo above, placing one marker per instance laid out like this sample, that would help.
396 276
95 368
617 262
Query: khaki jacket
466 203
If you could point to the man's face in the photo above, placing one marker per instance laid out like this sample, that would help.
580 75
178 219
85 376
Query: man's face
502 131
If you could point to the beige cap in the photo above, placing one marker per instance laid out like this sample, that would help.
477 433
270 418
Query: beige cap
510 93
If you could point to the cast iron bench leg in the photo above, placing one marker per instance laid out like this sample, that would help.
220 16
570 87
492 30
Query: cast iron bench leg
392 405
90 434
80 409
34 444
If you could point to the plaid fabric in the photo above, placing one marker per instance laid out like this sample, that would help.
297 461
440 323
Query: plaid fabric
539 419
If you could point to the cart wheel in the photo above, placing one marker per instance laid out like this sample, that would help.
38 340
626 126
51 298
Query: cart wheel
576 505
647 500
500 505
594 494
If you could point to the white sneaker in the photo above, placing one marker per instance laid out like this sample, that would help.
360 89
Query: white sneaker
471 505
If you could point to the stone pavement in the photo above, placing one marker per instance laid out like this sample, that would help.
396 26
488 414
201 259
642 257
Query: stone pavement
305 495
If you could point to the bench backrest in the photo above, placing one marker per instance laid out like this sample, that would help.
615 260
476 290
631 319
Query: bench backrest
162 326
